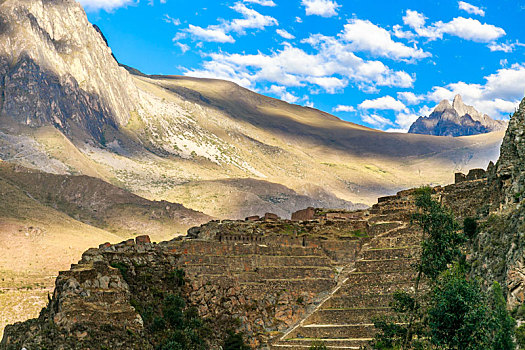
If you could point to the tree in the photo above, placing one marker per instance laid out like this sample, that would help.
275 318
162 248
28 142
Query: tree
440 245
504 324
459 317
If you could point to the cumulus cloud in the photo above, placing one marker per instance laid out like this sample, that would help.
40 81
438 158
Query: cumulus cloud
212 34
332 67
252 20
283 33
323 8
343 108
221 32
504 47
471 29
473 10
363 35
405 119
283 94
107 5
269 3
383 103
376 120
409 97
464 28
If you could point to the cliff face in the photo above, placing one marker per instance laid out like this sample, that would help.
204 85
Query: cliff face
457 119
55 69
500 247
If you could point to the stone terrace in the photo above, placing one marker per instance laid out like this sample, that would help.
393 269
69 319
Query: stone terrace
344 320
289 283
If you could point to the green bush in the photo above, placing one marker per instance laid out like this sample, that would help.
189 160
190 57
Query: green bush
234 341
470 227
520 336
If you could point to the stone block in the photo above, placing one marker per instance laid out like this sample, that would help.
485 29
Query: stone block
142 239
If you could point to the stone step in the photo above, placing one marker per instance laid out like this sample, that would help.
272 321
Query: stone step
390 253
315 286
384 265
378 278
333 331
346 316
358 301
237 248
247 273
256 260
305 344
391 241
381 228
381 288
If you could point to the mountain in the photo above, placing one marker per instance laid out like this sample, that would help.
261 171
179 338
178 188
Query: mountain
67 107
455 120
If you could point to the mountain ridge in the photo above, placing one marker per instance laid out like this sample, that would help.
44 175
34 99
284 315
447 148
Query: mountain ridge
456 119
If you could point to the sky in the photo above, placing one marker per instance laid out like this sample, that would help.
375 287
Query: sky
376 63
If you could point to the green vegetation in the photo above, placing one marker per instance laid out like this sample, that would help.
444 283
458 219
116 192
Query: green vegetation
234 341
470 227
453 312
318 345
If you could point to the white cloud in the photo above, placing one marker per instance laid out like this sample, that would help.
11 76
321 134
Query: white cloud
471 29
183 47
498 97
409 97
212 33
331 68
107 5
252 20
283 33
283 94
501 47
464 28
363 35
405 119
323 8
298 19
169 19
383 103
376 120
269 3
473 10
221 32
343 108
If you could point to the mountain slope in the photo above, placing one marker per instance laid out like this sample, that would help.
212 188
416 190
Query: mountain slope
48 220
455 120
67 107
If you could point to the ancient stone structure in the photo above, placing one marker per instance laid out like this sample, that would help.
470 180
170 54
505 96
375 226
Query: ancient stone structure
287 282
473 174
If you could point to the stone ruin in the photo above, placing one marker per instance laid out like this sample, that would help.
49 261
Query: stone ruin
473 175
325 274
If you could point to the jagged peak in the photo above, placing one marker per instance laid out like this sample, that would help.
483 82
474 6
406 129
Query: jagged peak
442 106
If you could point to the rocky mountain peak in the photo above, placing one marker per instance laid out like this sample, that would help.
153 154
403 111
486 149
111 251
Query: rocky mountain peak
55 69
457 119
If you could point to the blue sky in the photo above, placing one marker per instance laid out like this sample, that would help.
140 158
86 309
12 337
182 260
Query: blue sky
376 63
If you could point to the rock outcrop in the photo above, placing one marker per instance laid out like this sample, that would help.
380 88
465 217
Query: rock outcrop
500 246
55 69
457 119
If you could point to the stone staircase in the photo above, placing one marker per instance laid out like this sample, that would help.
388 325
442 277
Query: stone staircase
344 320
